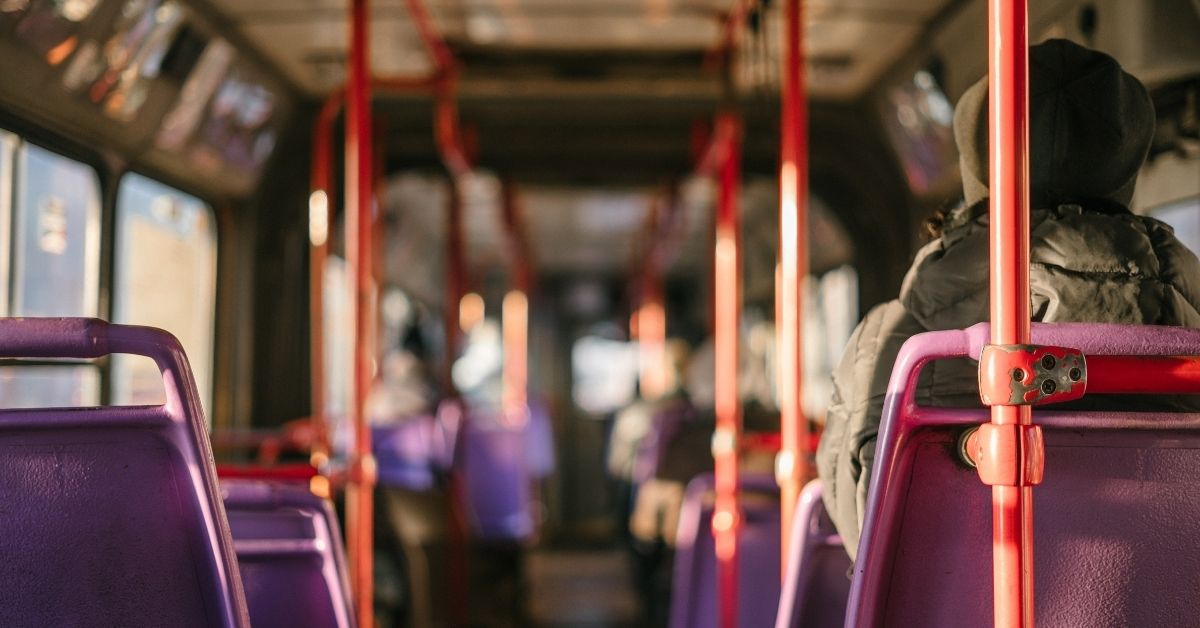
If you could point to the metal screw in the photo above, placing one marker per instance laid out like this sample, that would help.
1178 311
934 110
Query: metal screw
1018 374
1048 387
1048 362
1075 374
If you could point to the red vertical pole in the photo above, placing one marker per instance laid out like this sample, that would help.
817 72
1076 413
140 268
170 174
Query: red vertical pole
727 295
514 317
1008 85
320 221
359 238
455 284
458 567
792 464
650 316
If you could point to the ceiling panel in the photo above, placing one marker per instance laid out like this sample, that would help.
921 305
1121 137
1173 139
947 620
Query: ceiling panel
850 41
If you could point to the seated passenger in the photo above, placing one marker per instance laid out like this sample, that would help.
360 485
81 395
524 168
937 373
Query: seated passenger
1092 259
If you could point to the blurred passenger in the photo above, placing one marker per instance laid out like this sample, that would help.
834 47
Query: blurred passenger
633 423
1092 259
413 507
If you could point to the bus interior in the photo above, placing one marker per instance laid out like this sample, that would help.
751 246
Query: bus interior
479 292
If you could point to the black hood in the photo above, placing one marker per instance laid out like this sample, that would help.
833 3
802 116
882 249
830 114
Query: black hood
1090 128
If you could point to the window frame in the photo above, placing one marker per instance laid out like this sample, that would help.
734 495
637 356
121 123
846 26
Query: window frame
8 155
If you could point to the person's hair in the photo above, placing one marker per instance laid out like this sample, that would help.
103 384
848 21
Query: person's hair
935 223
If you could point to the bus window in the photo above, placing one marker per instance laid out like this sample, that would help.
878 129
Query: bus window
918 120
52 205
8 146
1184 217
165 276
339 350
55 265
118 73
41 386
185 116
51 28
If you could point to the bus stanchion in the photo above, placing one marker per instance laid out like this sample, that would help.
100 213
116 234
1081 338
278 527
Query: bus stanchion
727 293
359 238
792 464
1011 433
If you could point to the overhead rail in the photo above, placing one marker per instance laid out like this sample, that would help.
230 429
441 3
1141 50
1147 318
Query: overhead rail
792 465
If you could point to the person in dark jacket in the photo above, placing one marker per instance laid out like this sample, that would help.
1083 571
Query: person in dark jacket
1091 258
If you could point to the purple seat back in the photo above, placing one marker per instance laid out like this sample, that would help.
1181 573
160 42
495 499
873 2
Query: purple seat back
1115 521
408 452
290 553
694 583
497 481
816 582
111 515
539 434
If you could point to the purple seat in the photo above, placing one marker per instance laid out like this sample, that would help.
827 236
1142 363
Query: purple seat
816 582
1116 519
290 552
539 434
694 583
111 515
499 502
408 452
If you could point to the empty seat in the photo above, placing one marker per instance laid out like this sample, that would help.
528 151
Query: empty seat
1115 520
539 434
111 515
694 584
498 482
816 581
289 549
408 452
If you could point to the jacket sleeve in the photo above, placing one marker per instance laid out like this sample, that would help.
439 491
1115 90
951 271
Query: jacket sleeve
847 450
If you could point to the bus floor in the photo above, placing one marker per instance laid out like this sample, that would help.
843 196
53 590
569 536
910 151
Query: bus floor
573 587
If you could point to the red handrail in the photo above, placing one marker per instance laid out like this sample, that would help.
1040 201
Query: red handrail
1008 90
727 295
792 468
1143 374
359 239
514 318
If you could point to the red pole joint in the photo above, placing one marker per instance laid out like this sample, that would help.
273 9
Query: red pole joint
1014 375
1008 455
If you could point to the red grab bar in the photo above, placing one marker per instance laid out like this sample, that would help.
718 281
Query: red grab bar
359 237
1012 501
727 294
792 464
